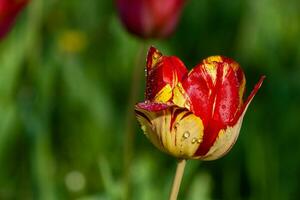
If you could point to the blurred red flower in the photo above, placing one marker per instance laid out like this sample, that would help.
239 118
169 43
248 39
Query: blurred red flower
150 18
9 9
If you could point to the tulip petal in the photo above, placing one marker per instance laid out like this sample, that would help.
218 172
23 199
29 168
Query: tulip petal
163 74
152 58
171 129
227 137
249 99
225 140
180 97
215 89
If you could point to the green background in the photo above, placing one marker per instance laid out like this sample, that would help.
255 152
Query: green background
65 78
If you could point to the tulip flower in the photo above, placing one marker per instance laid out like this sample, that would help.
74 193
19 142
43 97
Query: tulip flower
150 18
196 114
9 9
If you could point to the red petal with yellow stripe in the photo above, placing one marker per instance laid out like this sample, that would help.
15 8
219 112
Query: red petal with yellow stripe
163 74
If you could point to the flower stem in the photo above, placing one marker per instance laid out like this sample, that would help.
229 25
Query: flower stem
138 73
177 179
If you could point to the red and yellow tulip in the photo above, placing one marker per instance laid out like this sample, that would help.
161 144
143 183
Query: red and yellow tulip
196 114
9 9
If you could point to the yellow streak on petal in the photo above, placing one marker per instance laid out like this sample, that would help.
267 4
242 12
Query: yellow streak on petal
225 71
155 58
189 135
235 66
213 59
211 69
180 97
164 95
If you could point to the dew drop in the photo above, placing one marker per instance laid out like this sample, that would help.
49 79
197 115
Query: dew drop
196 140
186 135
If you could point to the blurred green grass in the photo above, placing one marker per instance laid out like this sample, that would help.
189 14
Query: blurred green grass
65 73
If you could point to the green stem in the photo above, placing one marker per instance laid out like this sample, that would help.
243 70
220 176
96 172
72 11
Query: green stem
177 179
138 73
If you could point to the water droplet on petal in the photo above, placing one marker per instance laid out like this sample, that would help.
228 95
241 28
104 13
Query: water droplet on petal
186 135
196 140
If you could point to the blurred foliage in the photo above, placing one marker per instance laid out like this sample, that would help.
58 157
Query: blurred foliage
65 73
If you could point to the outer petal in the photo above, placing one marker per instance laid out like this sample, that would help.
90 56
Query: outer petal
171 129
225 140
249 99
163 74
215 91
227 137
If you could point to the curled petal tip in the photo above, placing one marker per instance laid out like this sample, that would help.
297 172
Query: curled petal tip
163 74
255 89
152 57
261 80
250 97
